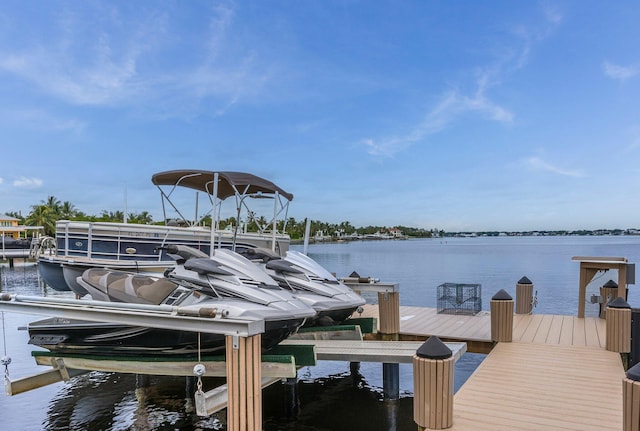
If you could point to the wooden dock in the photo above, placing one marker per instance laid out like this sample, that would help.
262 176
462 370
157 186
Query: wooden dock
421 322
521 386
555 375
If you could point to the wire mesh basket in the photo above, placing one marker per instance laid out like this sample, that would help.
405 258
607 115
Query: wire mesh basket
459 298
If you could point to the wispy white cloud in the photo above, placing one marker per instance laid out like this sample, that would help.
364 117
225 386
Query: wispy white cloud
27 183
449 108
84 66
538 164
453 104
553 15
621 73
228 72
128 60
1 180
37 119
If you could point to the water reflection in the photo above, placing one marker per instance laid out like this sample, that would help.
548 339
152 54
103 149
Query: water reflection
101 401
339 402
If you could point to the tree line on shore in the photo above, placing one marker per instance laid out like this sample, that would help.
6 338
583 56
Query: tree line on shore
50 210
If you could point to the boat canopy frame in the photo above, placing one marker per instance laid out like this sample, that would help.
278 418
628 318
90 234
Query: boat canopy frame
218 187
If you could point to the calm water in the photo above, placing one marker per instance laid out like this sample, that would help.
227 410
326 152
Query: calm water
329 396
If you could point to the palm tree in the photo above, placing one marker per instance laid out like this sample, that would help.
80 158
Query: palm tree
112 216
42 215
53 204
141 218
145 218
67 210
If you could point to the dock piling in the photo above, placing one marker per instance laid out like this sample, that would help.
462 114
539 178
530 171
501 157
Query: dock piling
391 381
618 315
631 399
524 296
389 306
608 292
433 385
244 408
502 317
291 401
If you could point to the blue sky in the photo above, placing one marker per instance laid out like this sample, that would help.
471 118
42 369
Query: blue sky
456 115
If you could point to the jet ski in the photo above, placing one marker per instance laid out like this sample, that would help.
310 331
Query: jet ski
312 284
226 282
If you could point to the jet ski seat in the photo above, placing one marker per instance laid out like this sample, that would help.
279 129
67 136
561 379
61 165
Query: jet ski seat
140 289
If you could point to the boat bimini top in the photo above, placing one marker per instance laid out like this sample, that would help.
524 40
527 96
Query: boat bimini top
219 186
229 183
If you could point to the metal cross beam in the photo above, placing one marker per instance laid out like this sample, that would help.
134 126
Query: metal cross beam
153 316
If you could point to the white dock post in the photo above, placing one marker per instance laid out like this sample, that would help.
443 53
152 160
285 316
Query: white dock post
433 385
502 317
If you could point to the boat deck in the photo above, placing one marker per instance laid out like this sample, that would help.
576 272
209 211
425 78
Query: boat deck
555 375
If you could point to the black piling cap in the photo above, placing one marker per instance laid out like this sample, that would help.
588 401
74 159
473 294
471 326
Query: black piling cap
433 348
610 283
354 275
618 303
502 295
524 280
633 373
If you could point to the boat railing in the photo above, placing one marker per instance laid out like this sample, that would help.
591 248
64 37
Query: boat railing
129 241
120 241
43 245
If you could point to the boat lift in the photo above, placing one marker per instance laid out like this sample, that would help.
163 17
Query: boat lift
243 365
246 370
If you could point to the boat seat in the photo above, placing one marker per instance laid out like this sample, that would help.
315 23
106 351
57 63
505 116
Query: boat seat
101 278
156 292
139 289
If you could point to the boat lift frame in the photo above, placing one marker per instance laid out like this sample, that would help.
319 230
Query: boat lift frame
154 316
243 364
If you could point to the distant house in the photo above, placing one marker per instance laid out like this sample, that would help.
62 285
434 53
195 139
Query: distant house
395 232
9 226
320 236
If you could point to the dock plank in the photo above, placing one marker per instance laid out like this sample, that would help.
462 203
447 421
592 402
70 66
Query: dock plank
566 331
542 334
579 332
532 329
520 325
553 336
591 332
601 327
